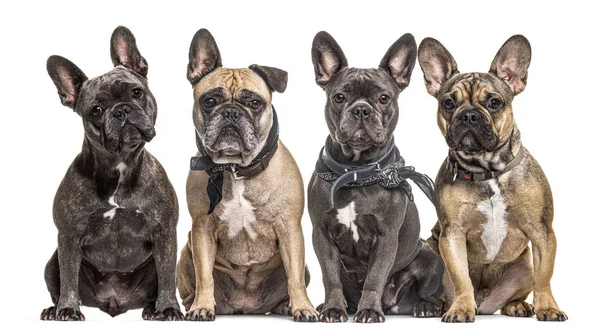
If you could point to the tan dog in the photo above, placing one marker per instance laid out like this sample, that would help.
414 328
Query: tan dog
494 196
245 253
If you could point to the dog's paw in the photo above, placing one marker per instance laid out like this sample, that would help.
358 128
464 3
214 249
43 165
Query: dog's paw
319 308
306 315
48 314
200 314
517 309
369 316
168 314
283 308
454 315
426 309
550 314
69 314
333 315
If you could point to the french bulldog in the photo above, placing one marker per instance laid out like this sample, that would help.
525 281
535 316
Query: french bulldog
366 236
245 253
116 211
494 196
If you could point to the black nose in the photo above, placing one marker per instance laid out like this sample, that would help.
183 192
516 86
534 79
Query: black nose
470 116
232 113
121 112
361 111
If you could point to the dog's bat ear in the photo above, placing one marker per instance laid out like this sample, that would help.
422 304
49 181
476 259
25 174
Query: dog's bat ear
67 78
204 56
124 51
327 57
437 64
511 62
275 78
399 61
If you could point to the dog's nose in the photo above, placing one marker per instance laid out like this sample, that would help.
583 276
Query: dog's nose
470 116
121 112
232 114
361 111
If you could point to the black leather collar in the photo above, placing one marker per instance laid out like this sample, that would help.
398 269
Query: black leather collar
389 171
214 188
462 174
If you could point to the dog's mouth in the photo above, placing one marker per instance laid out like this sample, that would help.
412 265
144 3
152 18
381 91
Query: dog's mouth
230 140
471 141
129 137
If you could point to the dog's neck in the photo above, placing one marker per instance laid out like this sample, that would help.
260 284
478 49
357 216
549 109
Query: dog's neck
489 160
107 170
344 154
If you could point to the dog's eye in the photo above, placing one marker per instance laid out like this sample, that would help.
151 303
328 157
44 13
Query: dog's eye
209 103
255 104
339 98
495 103
96 111
384 99
448 104
137 93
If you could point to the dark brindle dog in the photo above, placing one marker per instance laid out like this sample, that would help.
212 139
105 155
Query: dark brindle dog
115 210
494 196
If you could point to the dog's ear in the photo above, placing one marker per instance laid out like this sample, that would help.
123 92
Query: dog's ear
437 64
67 78
124 51
400 59
204 56
511 62
275 78
328 58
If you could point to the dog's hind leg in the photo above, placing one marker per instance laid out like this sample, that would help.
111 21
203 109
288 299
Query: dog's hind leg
510 284
416 289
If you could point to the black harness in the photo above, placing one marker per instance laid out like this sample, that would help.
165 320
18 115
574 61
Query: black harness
215 171
389 171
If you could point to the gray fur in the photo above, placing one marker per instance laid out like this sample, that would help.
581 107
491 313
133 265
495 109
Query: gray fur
388 268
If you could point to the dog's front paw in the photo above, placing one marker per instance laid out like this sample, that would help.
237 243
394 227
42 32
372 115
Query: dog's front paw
69 314
426 309
200 314
48 314
517 309
305 315
459 314
168 314
550 314
333 315
369 316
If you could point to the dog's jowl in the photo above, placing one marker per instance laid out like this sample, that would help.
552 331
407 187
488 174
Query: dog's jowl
245 253
115 210
365 223
493 194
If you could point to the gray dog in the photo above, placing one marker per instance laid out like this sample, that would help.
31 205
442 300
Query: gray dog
365 225
115 210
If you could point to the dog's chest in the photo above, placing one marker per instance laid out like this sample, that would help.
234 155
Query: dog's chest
494 226
351 231
238 213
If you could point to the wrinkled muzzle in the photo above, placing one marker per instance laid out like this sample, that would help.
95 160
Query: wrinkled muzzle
126 127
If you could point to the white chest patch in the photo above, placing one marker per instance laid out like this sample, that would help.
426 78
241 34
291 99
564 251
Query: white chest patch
110 214
238 212
347 216
495 226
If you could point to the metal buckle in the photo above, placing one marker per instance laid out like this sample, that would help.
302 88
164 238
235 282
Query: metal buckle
355 174
235 174
378 167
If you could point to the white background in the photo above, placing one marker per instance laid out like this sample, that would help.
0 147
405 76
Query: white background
557 115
